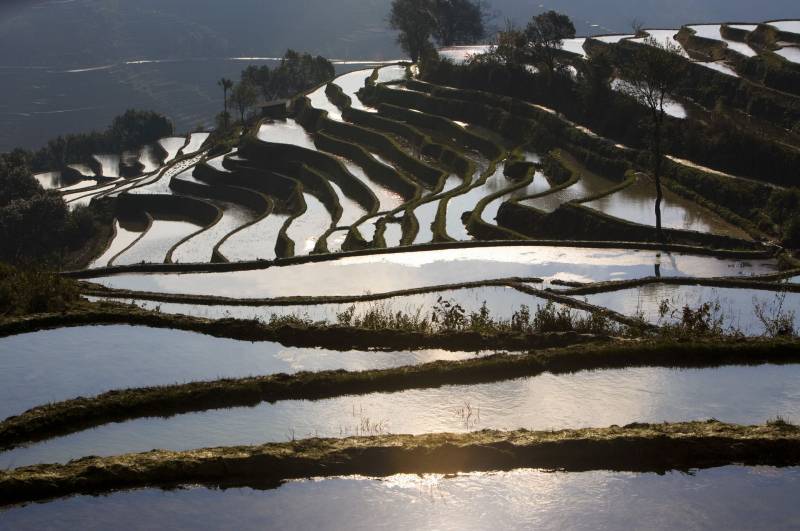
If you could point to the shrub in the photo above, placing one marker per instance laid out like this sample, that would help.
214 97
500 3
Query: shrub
25 292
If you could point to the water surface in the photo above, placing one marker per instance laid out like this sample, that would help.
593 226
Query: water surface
305 230
790 53
731 497
426 212
381 273
122 239
351 209
738 308
712 31
256 242
157 241
501 302
54 365
636 203
539 185
286 132
195 142
109 164
588 185
742 395
199 248
172 145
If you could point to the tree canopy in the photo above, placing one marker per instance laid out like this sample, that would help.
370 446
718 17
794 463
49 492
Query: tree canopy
132 129
546 33
297 72
448 22
458 21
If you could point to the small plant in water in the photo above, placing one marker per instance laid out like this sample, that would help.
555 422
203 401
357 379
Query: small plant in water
777 321
705 320
470 417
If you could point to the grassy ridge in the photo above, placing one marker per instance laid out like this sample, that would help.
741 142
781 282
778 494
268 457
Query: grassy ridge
636 447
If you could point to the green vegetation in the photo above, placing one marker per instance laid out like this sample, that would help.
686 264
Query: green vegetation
27 291
449 22
133 129
447 316
544 37
297 73
36 227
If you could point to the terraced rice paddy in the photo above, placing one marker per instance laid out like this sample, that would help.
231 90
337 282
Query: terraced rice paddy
501 303
199 248
791 26
288 132
255 242
319 100
671 107
49 180
149 159
712 31
426 212
195 142
123 238
732 497
569 348
790 53
83 184
539 185
351 210
662 37
157 242
396 271
588 185
635 203
736 309
109 164
353 82
307 229
584 399
172 146
57 365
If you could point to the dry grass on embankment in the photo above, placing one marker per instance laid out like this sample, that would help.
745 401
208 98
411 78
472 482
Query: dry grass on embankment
636 447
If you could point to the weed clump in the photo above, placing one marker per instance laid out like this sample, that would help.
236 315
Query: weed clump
448 316
26 292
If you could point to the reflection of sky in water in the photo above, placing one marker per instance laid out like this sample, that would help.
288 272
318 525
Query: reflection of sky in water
501 302
737 306
306 229
730 497
636 203
54 365
585 399
156 242
396 271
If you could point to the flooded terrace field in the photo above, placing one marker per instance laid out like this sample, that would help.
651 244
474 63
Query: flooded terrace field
578 400
56 365
404 270
731 497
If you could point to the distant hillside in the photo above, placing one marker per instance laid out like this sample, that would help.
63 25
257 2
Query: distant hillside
75 33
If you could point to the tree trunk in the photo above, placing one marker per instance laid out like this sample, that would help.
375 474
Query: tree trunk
225 99
657 159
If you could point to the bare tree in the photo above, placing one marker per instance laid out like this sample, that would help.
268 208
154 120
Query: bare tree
651 75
